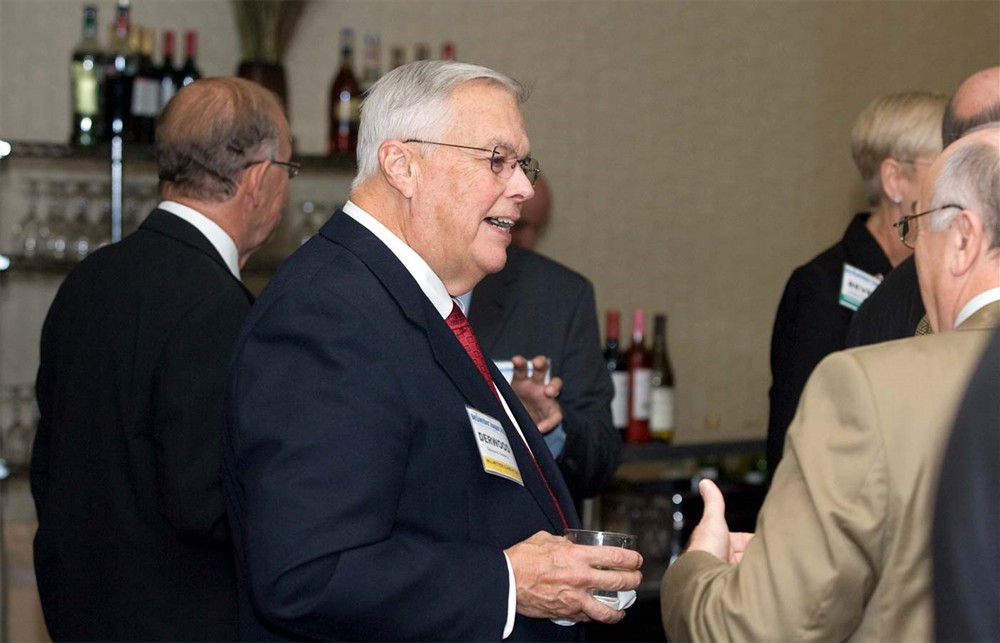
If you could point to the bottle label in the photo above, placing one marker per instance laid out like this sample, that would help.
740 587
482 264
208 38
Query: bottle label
641 383
145 97
85 87
348 110
661 411
619 403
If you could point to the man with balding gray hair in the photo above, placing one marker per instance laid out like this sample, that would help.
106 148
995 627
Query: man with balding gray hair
842 549
133 542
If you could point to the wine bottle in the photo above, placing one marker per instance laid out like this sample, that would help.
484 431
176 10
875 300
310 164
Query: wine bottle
145 88
85 84
119 75
619 372
345 100
661 408
448 51
170 77
373 65
639 362
190 71
421 51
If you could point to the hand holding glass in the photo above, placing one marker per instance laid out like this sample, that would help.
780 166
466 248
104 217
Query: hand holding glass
606 539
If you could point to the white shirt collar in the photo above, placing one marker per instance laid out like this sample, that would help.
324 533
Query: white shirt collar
429 283
973 305
215 235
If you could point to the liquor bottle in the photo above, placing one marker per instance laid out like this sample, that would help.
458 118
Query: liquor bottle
619 372
448 51
639 363
421 51
373 64
345 100
119 74
85 84
661 408
190 71
170 77
145 88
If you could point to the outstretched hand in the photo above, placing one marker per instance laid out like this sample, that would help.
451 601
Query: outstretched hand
537 395
712 533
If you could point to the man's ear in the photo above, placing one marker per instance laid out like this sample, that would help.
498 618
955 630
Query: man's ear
252 181
966 239
891 174
397 163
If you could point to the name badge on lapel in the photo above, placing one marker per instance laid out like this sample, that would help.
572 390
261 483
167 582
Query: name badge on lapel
494 449
855 286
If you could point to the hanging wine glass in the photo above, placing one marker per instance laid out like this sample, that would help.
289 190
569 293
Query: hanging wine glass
53 229
24 238
78 229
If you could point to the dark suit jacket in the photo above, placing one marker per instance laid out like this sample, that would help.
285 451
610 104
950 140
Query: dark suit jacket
810 324
967 520
358 500
893 311
535 306
132 541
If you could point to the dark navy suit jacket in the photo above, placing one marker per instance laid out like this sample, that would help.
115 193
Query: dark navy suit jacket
357 494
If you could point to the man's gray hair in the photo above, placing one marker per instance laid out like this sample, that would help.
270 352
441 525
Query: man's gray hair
970 177
411 101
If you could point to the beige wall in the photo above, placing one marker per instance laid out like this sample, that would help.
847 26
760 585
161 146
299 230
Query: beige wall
697 150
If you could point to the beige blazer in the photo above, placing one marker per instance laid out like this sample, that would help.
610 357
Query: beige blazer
842 544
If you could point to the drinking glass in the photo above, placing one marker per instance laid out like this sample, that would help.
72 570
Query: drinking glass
606 539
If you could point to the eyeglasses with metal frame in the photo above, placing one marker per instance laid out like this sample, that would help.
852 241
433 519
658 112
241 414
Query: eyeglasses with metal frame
290 166
500 159
904 227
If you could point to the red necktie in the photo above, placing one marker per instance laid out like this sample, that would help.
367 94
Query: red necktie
459 324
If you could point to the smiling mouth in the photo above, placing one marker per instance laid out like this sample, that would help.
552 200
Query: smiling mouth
502 223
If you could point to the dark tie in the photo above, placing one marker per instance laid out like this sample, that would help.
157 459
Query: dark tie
459 324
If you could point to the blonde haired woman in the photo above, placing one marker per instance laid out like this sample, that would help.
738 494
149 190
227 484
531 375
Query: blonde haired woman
893 142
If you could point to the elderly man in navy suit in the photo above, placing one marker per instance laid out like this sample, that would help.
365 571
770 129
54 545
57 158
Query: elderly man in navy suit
384 482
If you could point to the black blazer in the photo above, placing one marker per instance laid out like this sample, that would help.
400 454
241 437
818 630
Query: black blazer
132 540
967 515
810 324
893 311
358 500
535 306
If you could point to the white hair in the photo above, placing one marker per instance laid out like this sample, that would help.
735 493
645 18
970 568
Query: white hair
970 177
411 102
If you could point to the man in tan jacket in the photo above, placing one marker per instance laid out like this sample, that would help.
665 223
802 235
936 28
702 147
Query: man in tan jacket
842 545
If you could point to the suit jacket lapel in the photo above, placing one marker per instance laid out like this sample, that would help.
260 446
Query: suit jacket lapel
543 457
165 223
448 352
397 280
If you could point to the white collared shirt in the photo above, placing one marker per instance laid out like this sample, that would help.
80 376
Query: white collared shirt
434 288
215 234
973 305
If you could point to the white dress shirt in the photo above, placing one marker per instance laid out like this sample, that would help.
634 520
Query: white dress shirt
215 235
